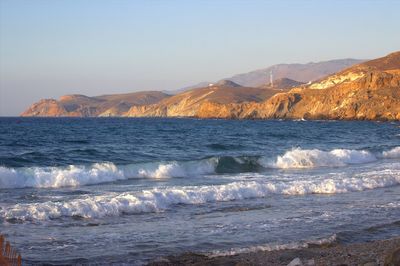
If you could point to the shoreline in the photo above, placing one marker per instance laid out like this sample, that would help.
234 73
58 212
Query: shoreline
379 252
302 119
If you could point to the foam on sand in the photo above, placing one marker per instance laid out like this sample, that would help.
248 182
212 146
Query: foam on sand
272 247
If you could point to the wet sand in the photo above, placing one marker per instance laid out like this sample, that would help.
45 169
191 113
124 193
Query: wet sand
364 254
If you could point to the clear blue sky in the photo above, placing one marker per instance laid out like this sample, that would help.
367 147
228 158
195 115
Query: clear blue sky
51 48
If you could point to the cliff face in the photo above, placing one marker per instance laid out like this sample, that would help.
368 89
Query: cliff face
368 91
189 103
46 107
303 73
84 106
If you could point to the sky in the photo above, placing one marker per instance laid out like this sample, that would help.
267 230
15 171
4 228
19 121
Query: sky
93 47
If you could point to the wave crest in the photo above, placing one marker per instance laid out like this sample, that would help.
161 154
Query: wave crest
76 175
392 154
299 158
73 175
59 177
155 200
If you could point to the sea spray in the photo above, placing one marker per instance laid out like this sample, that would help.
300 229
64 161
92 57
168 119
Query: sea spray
80 175
161 199
299 158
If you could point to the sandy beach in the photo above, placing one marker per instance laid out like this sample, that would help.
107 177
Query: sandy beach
382 252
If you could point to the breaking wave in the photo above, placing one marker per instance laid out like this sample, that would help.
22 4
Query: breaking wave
161 199
76 175
54 177
392 154
299 158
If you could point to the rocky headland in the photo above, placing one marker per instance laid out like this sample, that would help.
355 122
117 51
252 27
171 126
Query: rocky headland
366 91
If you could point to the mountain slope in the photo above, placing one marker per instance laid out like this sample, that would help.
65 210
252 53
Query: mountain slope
367 91
84 106
299 72
188 103
282 83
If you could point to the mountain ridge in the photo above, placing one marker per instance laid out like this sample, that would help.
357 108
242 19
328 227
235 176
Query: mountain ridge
85 106
260 77
368 90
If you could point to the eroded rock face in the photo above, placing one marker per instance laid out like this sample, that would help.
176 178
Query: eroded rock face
46 107
367 91
189 103
84 106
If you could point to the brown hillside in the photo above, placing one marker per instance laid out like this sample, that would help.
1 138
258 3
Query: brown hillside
369 91
84 106
188 103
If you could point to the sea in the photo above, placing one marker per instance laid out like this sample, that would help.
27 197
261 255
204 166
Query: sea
127 191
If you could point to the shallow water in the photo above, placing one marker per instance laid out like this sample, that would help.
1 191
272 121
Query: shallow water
119 190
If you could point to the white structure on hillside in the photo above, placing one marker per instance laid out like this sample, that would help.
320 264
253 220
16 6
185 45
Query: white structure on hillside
271 79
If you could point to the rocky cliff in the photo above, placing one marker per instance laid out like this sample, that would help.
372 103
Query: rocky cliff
188 104
368 91
303 73
84 106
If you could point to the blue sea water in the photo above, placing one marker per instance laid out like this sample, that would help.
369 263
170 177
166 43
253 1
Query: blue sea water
122 190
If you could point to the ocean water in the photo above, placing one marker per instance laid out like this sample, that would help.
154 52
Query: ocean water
115 190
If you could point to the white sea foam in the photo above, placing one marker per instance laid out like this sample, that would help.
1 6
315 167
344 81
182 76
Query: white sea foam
75 175
160 199
299 158
393 153
272 247
58 176
53 177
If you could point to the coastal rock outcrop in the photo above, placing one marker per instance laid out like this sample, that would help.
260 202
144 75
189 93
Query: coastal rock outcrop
77 105
367 91
191 103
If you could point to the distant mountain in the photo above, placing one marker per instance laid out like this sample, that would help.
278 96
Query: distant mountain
85 106
189 103
283 83
227 83
198 85
367 91
299 72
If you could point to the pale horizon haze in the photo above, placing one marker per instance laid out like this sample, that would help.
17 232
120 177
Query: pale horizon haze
52 48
